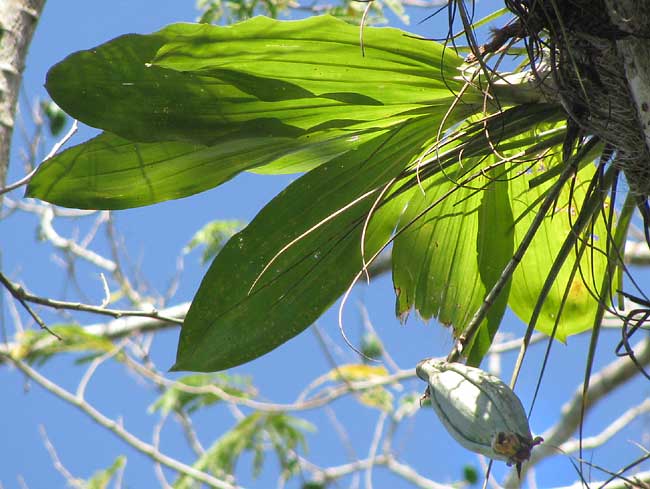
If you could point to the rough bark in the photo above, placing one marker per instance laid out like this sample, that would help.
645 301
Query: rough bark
633 17
18 19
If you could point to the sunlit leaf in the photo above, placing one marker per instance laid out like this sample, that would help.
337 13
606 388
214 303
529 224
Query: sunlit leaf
110 172
262 289
579 311
355 372
322 56
457 232
40 346
262 95
445 263
377 397
251 434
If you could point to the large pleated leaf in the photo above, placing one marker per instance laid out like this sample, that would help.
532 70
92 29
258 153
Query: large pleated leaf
321 55
457 233
116 87
263 94
456 239
455 242
267 285
110 172
576 308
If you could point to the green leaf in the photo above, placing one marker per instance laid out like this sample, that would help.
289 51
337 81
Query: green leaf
198 83
110 172
458 231
263 94
470 474
322 56
285 433
276 277
581 306
102 478
371 346
213 236
221 457
450 256
39 346
56 118
176 398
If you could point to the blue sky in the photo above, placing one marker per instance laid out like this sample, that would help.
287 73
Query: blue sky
155 236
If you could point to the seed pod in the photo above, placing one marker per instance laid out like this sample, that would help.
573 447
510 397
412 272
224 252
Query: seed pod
480 411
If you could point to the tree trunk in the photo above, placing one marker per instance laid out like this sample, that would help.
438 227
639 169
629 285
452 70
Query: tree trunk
633 16
18 19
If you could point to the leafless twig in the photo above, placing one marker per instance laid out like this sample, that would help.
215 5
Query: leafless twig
22 295
612 429
117 428
56 461
602 383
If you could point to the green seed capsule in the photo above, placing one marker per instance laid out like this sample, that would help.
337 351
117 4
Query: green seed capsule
479 410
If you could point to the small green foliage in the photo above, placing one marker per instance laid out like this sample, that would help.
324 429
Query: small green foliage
378 397
56 118
470 474
285 434
213 236
176 398
38 346
409 404
230 11
313 485
371 346
102 478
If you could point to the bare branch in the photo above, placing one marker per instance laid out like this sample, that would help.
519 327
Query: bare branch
85 380
604 382
408 473
47 215
22 295
324 397
160 474
611 430
642 481
403 470
56 461
9 286
374 446
118 429
25 180
637 253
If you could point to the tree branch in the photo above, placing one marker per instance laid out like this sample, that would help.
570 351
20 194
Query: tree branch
633 16
642 481
23 296
404 471
617 425
117 428
604 382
